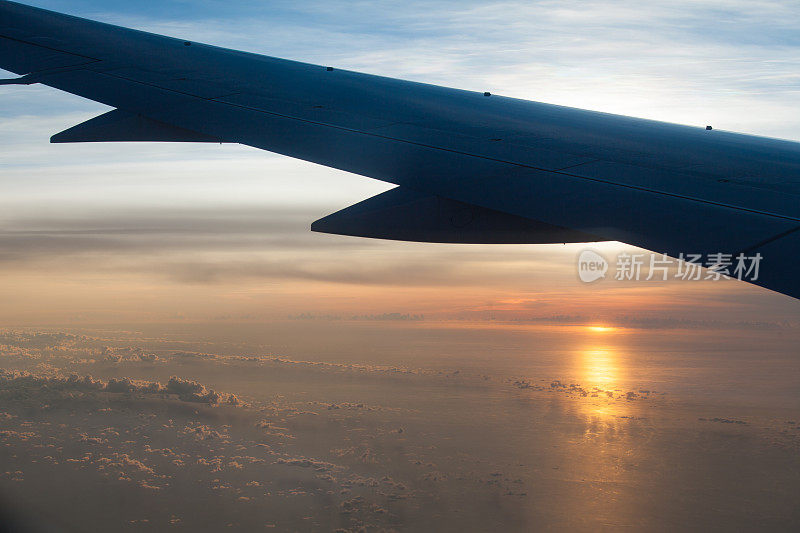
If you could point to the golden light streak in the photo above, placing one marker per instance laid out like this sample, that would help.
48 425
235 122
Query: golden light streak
601 329
599 368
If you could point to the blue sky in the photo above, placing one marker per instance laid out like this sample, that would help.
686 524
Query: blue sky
731 63
196 214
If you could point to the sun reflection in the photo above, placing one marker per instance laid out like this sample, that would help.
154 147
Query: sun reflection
601 376
609 425
599 368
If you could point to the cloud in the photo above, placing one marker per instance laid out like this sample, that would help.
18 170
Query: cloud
679 60
219 244
156 230
305 462
191 391
186 390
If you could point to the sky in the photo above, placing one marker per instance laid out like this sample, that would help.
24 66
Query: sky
114 233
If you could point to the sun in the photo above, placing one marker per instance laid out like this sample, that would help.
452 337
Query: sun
600 329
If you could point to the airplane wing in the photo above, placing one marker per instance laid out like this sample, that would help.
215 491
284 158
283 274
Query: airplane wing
470 166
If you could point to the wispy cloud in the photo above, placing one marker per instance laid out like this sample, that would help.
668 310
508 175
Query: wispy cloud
683 61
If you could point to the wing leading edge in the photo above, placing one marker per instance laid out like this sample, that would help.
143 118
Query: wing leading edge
523 171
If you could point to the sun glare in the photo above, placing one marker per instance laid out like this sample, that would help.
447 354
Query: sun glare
600 329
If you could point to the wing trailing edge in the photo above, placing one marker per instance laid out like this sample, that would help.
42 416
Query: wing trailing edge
122 126
406 215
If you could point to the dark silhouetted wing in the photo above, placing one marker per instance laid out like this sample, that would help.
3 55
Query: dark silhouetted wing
530 172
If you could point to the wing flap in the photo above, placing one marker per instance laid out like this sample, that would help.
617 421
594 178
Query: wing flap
407 215
777 269
120 126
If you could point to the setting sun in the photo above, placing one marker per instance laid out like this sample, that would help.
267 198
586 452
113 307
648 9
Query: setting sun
601 329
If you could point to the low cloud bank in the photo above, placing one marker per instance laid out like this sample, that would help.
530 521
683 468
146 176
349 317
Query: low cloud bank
184 389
